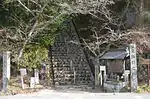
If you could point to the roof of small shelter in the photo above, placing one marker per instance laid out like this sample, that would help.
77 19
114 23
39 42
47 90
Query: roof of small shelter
1 56
115 54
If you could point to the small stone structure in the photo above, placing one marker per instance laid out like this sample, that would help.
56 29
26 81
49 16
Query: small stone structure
69 61
117 71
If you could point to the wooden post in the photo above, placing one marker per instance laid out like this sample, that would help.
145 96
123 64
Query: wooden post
22 83
148 69
149 75
102 75
6 69
23 72
74 73
133 69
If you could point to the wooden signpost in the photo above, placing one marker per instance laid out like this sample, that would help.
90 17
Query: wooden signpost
23 72
102 76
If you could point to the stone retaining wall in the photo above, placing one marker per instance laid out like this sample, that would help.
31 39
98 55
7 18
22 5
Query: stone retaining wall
69 61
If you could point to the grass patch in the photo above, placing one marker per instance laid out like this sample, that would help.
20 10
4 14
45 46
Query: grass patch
14 87
143 89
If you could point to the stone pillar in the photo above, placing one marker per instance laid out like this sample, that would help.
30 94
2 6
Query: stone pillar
32 82
36 75
133 69
6 69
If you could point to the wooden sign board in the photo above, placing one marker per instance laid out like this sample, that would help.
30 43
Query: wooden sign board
144 61
23 72
102 68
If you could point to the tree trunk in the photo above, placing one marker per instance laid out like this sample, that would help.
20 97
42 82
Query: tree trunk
97 71
51 69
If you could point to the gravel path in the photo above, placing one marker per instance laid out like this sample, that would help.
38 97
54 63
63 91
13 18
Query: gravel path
54 94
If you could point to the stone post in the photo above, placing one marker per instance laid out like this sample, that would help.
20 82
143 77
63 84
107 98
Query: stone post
133 69
6 69
32 82
36 75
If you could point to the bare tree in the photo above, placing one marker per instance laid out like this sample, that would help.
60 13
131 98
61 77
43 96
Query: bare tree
104 25
31 18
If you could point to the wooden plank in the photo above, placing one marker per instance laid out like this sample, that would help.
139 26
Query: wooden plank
144 61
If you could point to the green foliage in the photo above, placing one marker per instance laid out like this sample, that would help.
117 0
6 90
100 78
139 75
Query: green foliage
33 56
4 17
19 17
143 88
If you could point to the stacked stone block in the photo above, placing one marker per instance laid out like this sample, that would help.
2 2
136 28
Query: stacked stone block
69 61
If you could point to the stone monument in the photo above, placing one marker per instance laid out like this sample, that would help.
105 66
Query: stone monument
36 75
6 69
32 82
133 70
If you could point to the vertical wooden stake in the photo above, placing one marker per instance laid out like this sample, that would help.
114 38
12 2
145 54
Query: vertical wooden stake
22 82
23 72
74 76
148 69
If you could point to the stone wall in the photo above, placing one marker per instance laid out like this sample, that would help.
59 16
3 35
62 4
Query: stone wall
142 74
69 61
